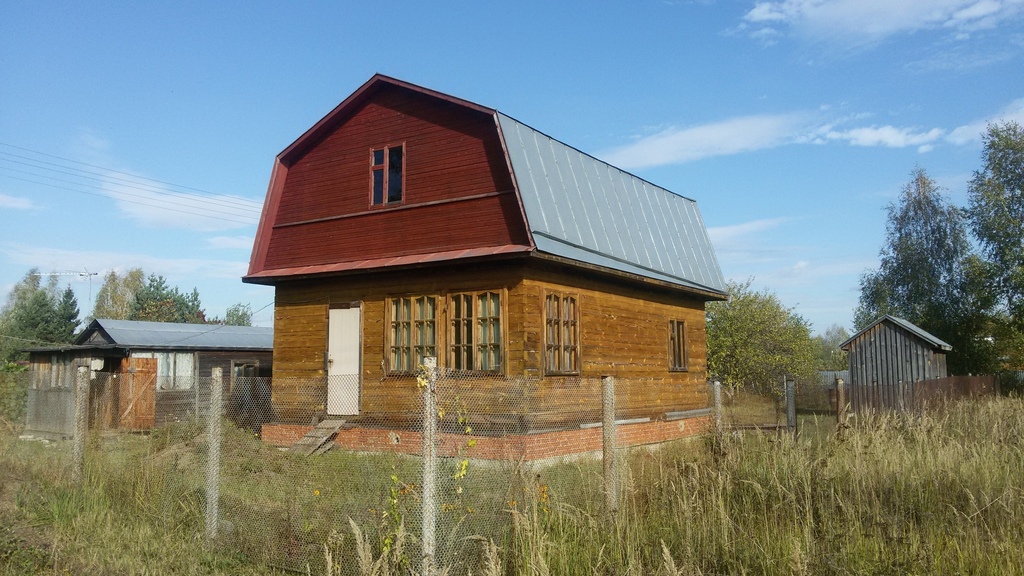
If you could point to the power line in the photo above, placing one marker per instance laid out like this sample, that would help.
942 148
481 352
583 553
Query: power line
189 212
232 209
103 168
76 173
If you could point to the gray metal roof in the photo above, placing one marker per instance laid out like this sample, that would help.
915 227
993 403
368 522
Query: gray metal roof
908 326
581 208
167 335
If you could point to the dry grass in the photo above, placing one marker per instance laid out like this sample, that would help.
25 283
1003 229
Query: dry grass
899 494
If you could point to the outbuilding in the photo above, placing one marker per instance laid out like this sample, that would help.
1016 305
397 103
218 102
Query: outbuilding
144 374
887 358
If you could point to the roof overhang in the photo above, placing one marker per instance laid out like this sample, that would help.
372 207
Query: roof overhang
681 286
273 276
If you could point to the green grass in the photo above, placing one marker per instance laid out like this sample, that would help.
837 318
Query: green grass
897 495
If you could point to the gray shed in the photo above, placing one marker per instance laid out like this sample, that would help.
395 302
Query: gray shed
887 358
143 374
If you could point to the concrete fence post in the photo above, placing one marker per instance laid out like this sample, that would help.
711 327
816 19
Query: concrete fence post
213 439
840 407
716 394
81 424
611 477
429 494
791 406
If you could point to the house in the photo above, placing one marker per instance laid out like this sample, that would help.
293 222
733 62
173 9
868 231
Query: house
143 374
410 223
888 357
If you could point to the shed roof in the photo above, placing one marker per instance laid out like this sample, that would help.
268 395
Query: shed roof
106 333
924 335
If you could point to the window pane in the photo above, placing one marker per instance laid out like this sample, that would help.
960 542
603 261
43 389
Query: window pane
395 174
378 187
378 157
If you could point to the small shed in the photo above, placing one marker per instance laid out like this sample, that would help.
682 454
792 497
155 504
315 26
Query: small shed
144 374
887 358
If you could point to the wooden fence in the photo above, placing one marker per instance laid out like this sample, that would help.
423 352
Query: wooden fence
916 395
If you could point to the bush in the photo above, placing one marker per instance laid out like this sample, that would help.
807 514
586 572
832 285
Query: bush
13 393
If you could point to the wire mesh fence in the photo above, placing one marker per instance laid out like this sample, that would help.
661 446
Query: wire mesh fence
424 473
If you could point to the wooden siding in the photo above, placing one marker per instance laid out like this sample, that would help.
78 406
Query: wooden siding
883 358
624 332
454 167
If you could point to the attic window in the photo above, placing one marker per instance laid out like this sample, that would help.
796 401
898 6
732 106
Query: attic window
386 175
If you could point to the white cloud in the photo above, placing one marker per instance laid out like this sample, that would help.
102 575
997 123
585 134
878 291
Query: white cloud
867 21
230 242
972 132
750 133
732 136
16 203
888 136
733 232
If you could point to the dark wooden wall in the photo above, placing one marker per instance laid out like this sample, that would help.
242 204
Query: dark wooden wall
884 358
458 191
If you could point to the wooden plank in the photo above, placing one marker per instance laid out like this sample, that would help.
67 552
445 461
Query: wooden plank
316 439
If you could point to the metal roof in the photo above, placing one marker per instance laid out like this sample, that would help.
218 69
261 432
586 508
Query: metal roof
168 335
913 329
585 209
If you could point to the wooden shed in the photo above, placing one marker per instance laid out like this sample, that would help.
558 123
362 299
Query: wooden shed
410 223
142 374
887 358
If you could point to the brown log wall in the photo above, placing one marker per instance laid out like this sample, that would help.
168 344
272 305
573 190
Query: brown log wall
624 332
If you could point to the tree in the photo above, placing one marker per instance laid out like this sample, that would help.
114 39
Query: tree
115 297
996 213
36 315
238 315
754 341
66 316
830 357
929 276
158 302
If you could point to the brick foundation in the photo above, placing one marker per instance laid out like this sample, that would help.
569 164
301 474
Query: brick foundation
528 447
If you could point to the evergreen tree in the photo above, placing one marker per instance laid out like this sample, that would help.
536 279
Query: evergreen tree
156 301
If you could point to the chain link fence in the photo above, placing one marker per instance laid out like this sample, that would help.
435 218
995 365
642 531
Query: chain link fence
779 406
427 476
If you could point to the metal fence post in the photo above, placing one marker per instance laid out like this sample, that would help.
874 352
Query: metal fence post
791 406
81 424
840 406
429 466
611 488
213 455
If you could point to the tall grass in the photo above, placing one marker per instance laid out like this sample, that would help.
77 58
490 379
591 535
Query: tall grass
938 494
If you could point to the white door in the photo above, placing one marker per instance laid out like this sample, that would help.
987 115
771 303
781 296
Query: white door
343 348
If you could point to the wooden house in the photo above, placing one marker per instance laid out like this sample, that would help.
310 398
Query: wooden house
143 374
410 223
887 358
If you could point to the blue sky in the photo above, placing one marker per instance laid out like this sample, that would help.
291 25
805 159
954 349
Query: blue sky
140 134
